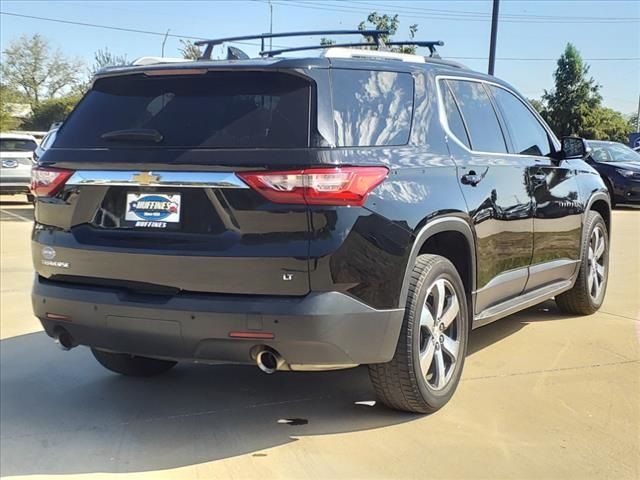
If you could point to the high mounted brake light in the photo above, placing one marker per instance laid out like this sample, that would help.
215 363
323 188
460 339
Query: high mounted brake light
317 186
46 182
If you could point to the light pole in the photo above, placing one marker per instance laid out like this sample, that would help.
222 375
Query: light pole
494 36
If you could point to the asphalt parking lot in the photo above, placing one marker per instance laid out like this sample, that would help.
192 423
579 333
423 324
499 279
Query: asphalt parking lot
543 395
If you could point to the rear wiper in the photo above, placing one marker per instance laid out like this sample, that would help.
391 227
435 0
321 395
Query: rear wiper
134 135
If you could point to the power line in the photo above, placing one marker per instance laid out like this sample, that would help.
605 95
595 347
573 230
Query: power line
453 17
619 59
483 14
121 29
191 37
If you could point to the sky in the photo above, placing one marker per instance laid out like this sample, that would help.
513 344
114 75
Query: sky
531 34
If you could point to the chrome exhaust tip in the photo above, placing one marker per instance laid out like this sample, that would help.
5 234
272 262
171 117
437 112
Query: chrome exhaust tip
269 361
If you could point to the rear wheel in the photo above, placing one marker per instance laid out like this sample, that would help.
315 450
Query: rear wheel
426 367
587 294
131 365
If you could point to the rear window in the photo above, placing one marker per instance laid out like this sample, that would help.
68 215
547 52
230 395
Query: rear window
372 108
17 145
214 110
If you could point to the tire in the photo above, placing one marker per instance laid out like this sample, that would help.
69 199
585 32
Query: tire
589 291
131 365
400 383
30 198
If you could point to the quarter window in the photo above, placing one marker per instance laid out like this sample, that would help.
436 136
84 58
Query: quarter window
372 108
528 136
480 117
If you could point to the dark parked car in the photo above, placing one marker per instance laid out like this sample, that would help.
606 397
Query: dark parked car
360 207
619 166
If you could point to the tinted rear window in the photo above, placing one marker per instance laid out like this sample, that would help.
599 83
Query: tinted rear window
17 145
215 110
372 108
479 116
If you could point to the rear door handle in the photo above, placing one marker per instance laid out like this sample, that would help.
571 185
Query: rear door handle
471 178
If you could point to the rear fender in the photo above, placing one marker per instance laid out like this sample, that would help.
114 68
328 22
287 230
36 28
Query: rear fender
433 227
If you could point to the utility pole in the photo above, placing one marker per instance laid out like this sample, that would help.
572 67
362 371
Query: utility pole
164 41
494 36
270 25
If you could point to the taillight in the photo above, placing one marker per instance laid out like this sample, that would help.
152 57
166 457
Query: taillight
46 181
318 186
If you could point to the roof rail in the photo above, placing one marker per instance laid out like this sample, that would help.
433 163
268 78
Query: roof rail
209 44
339 52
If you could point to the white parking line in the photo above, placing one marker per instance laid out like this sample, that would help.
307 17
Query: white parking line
15 215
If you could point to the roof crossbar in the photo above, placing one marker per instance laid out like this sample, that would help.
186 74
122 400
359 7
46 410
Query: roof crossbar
209 44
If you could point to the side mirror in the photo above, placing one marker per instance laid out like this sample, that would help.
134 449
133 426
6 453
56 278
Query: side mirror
574 147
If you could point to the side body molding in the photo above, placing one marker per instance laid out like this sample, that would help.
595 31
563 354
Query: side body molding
433 227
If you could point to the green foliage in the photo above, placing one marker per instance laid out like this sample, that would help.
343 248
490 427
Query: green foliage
574 105
575 96
31 67
8 96
104 58
325 42
50 111
607 124
382 22
189 50
7 122
390 23
537 104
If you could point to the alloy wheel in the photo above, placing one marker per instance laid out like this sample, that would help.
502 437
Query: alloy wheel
439 334
597 268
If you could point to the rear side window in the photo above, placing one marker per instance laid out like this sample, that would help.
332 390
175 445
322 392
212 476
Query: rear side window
214 110
372 108
527 134
454 119
480 117
17 145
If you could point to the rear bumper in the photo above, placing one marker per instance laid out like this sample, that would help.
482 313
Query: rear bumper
319 331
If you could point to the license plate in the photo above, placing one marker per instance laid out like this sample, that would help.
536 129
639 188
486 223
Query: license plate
153 210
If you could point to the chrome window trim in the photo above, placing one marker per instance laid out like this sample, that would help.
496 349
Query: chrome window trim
164 179
442 115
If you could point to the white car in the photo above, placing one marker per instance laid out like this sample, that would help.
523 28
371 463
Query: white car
16 160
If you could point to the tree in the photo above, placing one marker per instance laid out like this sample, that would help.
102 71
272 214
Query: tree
189 50
50 111
104 58
537 104
607 124
382 22
8 96
570 105
31 67
386 22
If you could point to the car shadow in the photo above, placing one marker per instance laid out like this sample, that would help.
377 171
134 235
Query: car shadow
64 414
492 333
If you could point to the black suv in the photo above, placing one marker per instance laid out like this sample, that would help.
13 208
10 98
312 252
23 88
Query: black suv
359 207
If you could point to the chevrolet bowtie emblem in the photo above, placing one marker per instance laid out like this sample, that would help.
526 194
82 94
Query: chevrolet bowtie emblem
145 178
